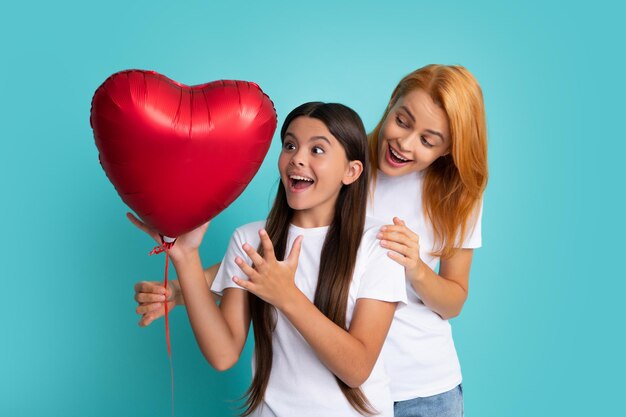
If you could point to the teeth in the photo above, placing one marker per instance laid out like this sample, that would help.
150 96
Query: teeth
397 155
299 178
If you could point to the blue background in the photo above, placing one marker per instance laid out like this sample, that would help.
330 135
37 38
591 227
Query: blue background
541 333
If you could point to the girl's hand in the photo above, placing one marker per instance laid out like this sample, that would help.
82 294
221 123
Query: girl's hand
151 296
185 244
270 279
405 247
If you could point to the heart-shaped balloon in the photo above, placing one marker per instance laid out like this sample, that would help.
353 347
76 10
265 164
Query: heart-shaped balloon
176 154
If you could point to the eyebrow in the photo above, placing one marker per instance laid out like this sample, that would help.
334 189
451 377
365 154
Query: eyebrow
311 139
434 132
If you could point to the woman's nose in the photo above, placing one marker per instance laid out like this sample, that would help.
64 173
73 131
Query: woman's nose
407 142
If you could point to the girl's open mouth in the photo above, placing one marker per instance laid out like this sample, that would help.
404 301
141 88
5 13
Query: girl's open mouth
298 182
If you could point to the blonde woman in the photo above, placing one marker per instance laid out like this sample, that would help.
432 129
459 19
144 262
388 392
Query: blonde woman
429 157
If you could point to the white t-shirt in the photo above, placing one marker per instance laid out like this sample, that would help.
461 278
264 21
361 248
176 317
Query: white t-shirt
300 384
419 351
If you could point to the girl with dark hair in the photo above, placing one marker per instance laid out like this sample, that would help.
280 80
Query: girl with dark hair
319 289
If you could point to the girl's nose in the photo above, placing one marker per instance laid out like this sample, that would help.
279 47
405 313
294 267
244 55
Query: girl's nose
297 159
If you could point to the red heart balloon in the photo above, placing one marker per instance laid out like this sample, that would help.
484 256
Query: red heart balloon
176 154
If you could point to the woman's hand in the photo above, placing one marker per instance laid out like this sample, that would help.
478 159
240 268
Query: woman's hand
404 244
270 279
185 243
151 296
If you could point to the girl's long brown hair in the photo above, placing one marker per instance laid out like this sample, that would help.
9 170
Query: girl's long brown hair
454 183
339 251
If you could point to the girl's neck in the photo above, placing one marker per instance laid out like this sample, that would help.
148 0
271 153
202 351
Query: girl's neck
309 219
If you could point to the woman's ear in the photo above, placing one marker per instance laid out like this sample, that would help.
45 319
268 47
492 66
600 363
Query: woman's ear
448 149
354 171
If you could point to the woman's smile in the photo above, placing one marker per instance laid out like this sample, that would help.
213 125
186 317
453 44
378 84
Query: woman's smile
395 158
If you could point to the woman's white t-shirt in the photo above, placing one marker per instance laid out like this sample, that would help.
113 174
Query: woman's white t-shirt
419 352
300 384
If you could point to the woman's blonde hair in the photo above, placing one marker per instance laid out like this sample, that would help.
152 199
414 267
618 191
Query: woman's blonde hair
454 183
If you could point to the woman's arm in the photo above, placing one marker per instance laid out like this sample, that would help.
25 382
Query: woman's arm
351 354
209 276
445 294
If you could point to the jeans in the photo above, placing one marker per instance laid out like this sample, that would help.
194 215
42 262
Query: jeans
446 404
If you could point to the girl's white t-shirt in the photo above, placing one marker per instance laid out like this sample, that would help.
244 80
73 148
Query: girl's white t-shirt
419 352
300 384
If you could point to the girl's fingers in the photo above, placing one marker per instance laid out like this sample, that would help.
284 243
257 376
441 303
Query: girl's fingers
138 223
256 259
143 227
294 254
246 269
245 284
266 244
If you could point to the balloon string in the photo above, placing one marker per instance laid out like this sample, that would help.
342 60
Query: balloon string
167 315
164 247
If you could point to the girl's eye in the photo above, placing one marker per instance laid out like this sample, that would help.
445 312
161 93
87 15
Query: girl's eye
425 142
288 146
400 121
317 150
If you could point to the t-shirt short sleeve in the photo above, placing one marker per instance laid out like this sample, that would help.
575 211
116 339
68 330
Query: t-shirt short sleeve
381 278
473 234
228 269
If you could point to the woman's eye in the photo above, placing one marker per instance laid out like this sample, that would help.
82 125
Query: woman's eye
400 121
317 150
425 142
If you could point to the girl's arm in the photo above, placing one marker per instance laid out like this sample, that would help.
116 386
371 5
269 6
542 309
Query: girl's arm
445 294
350 355
220 331
151 295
